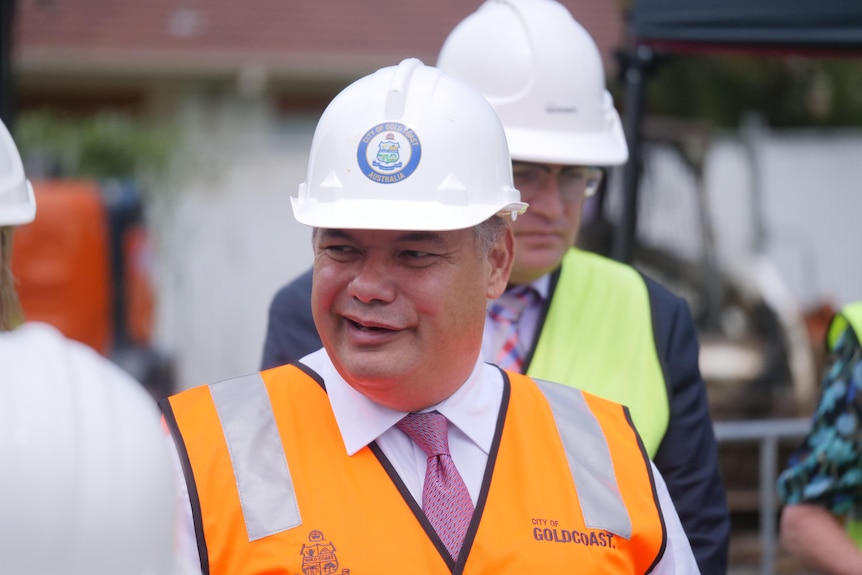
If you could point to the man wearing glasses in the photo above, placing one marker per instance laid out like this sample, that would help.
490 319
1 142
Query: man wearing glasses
569 315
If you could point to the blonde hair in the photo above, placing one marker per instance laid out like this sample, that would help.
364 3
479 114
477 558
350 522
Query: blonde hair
10 308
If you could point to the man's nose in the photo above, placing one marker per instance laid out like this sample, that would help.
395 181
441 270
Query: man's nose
373 281
548 199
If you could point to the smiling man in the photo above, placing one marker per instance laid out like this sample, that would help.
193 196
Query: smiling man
388 297
395 448
568 315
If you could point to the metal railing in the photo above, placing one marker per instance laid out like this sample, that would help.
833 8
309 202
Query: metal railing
768 433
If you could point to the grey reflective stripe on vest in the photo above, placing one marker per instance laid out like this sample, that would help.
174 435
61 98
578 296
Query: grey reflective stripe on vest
589 459
263 480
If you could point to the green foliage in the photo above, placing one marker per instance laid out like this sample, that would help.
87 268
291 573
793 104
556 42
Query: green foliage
106 145
786 91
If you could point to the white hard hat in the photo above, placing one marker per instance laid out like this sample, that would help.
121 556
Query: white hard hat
407 148
87 486
543 74
17 203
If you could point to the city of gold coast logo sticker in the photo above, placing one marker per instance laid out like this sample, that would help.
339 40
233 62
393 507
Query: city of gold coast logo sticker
389 153
318 556
551 531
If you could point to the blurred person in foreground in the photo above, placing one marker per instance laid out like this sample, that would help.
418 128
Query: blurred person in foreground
87 485
821 521
396 448
569 315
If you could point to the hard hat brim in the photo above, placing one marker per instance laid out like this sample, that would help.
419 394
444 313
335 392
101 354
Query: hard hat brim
568 148
370 214
19 213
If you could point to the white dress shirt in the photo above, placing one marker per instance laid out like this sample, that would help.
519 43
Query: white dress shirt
472 412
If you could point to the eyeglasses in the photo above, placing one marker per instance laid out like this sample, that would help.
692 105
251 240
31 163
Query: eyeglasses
573 182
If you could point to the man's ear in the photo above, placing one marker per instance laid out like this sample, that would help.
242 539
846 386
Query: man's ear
501 256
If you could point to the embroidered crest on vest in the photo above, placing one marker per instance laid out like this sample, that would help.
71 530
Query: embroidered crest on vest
318 556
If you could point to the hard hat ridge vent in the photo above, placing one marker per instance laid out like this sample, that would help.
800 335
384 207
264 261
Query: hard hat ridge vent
396 99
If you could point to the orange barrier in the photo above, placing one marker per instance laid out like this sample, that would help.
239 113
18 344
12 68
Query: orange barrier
62 262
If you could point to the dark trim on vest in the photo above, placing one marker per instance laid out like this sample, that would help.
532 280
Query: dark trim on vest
412 503
646 459
543 315
455 568
482 500
188 474
310 373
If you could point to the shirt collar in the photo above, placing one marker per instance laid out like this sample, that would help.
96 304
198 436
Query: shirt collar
472 408
541 285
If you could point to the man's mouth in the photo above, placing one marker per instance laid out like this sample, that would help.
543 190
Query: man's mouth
365 327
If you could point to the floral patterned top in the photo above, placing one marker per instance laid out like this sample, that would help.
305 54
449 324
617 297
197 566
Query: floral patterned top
826 469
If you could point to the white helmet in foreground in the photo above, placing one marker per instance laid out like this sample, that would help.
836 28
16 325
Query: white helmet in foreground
87 483
543 74
407 148
17 203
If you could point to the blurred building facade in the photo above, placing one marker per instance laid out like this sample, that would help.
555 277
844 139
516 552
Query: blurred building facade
239 86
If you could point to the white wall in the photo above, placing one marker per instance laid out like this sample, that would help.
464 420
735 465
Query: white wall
810 206
811 203
226 238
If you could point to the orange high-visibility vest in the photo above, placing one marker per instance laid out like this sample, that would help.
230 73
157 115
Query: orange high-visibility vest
273 491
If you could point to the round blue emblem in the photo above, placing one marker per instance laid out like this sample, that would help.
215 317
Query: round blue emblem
388 153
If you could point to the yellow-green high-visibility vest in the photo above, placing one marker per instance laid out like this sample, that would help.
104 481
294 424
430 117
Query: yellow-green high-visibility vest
612 356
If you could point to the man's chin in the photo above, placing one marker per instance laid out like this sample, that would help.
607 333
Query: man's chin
373 365
536 263
539 246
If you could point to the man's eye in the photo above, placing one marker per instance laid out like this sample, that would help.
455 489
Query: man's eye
573 175
527 175
339 250
417 258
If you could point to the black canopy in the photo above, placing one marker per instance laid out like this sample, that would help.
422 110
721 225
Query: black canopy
791 25
809 27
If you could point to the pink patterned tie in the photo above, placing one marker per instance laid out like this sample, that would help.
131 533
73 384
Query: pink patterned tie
445 499
506 311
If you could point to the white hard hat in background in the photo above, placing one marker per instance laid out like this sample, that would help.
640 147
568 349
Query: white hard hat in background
87 483
543 74
17 203
407 148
